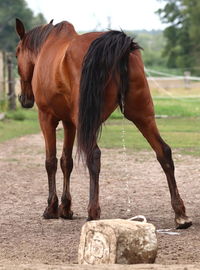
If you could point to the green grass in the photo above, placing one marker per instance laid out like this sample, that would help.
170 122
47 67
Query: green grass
180 130
182 107
174 107
179 133
18 123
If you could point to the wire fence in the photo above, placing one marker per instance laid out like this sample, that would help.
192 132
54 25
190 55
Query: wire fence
166 82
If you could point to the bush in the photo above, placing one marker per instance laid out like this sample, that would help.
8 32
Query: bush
16 115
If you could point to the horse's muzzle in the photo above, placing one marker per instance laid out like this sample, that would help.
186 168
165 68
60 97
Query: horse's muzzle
26 102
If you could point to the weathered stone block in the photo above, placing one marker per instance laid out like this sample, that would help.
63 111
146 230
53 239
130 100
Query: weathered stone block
117 241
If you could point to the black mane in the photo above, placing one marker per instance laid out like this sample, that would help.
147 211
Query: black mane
34 38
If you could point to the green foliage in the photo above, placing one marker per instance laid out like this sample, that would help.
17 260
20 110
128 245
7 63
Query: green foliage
17 115
9 11
182 34
152 43
2 105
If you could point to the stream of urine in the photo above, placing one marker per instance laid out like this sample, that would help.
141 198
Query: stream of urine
125 165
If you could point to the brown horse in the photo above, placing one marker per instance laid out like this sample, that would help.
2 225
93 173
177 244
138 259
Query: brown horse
80 80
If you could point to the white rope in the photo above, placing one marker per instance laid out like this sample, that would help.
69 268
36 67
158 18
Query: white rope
143 219
158 85
139 218
160 73
175 77
167 231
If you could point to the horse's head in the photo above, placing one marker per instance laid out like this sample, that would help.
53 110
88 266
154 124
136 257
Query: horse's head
25 61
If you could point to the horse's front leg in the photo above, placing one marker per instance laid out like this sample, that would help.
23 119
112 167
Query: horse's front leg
66 163
94 164
48 125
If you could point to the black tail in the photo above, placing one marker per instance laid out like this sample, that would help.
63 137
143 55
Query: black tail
107 57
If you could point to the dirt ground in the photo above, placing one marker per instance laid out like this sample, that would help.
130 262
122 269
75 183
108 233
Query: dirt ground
25 237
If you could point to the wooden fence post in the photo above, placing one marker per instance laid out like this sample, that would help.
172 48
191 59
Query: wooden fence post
187 74
11 84
2 90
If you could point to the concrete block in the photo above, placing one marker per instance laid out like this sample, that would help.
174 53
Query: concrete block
117 241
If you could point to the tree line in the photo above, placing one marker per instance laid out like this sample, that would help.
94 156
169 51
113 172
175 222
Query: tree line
182 48
176 47
9 11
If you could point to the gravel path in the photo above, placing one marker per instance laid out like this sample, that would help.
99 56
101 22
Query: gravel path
26 238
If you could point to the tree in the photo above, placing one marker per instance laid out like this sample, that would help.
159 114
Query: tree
183 33
9 10
152 44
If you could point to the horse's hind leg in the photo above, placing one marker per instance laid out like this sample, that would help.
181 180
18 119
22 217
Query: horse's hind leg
48 126
93 163
66 163
148 128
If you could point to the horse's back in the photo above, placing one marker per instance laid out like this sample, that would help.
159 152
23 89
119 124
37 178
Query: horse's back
76 51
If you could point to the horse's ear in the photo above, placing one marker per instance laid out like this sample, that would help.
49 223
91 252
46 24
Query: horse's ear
20 28
51 22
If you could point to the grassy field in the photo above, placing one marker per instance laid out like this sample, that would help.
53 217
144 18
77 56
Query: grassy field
173 107
19 123
179 107
179 133
181 128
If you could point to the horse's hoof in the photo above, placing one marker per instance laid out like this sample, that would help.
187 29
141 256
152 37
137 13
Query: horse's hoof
50 214
65 214
94 214
183 223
